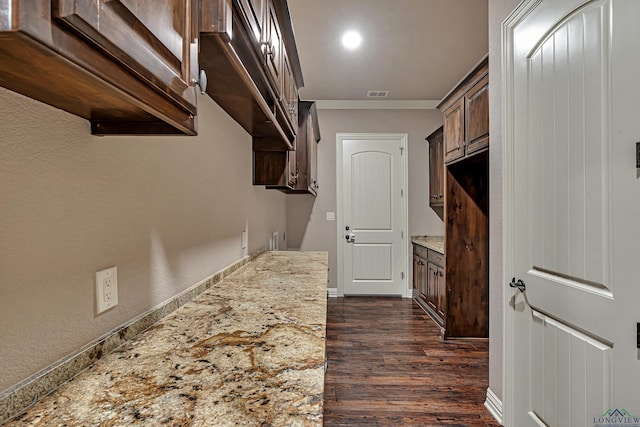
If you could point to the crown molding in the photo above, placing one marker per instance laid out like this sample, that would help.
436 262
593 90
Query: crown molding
353 104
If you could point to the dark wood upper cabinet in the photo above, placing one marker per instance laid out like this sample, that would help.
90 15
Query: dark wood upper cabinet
466 115
294 172
436 171
247 48
307 150
127 65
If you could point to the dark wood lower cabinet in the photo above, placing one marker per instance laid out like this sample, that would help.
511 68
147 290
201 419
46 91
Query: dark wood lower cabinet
428 282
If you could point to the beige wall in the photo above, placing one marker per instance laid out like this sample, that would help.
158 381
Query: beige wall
168 211
498 12
307 226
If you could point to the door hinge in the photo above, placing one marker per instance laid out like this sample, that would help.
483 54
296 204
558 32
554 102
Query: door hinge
401 234
401 192
402 275
401 151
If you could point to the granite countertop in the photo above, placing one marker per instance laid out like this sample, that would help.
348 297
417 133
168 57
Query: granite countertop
248 351
435 243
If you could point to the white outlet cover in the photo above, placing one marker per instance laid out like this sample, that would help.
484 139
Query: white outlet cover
106 289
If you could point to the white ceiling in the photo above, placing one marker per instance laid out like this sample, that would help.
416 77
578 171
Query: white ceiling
415 49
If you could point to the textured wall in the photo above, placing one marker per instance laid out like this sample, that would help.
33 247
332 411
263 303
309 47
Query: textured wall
168 211
307 226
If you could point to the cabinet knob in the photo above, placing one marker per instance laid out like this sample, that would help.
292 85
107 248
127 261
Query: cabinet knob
201 82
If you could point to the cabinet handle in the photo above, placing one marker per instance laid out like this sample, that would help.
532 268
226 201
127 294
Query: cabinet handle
268 47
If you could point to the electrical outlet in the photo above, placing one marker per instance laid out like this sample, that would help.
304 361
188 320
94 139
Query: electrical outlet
106 289
244 239
276 243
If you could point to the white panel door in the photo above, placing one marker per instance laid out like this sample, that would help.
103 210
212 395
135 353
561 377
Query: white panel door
573 117
372 215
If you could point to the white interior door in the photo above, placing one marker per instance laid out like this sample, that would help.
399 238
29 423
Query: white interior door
573 211
371 214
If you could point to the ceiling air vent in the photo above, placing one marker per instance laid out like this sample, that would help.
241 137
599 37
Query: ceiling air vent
377 94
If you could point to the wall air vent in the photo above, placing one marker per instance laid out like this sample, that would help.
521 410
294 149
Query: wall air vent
377 93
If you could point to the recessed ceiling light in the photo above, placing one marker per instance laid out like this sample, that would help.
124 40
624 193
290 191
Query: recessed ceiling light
351 40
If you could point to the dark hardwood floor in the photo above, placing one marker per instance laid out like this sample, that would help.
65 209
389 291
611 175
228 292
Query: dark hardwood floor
388 366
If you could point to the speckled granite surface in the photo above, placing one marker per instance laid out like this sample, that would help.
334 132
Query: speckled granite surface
248 351
435 243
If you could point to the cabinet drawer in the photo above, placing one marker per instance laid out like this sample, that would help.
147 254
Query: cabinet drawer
420 251
436 258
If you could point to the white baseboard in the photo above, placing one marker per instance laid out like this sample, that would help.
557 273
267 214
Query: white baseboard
494 405
332 292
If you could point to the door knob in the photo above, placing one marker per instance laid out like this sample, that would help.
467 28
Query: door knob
518 284
350 238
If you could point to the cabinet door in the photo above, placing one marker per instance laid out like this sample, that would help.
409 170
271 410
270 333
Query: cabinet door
416 275
441 291
293 169
273 48
253 11
436 171
477 116
420 276
151 39
432 286
312 147
454 131
289 92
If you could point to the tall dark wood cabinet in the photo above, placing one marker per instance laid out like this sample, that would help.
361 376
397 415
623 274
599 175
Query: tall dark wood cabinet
465 310
467 247
127 66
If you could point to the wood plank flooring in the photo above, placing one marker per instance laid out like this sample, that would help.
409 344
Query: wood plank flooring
387 366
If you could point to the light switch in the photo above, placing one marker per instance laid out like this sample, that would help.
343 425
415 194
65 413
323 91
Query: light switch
331 216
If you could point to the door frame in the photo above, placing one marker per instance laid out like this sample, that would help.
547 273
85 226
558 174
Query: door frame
402 139
508 207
